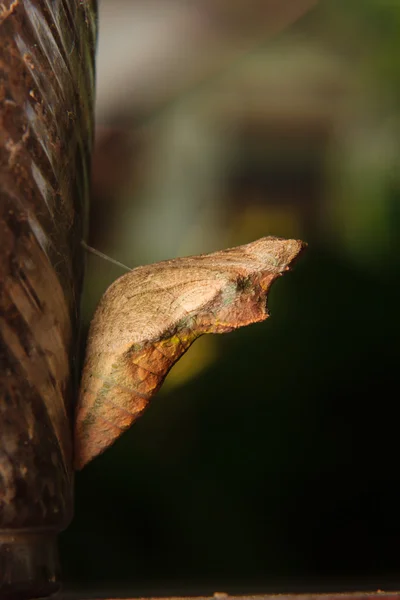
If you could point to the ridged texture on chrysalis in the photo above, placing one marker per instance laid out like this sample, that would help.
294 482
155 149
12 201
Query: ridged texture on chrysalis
149 317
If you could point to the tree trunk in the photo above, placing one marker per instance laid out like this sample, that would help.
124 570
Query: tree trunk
46 126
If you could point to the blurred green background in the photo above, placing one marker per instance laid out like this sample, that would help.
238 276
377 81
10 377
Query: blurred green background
269 460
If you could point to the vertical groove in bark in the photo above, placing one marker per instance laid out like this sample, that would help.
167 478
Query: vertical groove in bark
46 106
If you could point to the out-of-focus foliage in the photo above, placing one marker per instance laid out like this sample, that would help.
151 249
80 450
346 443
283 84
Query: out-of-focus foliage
270 459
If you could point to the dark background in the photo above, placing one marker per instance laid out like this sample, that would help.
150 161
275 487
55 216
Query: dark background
269 460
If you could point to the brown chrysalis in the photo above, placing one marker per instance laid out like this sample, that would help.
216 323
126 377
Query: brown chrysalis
149 317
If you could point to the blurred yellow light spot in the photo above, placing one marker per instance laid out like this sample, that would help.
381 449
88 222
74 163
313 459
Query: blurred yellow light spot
199 356
253 222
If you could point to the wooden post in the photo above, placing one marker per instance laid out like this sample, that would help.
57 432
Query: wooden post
46 127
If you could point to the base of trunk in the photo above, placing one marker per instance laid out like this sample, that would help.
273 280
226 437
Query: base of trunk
29 565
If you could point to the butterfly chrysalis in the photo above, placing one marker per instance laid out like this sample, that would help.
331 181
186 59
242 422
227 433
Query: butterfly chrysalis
150 316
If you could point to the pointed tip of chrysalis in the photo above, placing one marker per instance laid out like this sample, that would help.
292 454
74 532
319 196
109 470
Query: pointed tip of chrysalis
293 250
81 457
91 439
276 254
84 452
287 250
80 462
102 419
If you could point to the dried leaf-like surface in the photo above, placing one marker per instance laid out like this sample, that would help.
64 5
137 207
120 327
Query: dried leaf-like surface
149 317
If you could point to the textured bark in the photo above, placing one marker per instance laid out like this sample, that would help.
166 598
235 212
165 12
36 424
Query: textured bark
46 104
